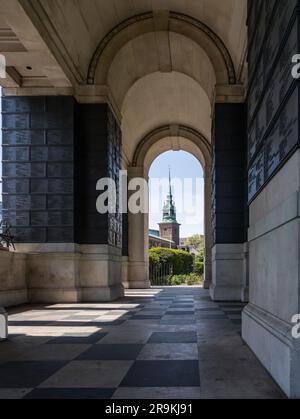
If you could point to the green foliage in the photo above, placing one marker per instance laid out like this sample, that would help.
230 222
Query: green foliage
199 268
199 263
181 262
191 279
197 242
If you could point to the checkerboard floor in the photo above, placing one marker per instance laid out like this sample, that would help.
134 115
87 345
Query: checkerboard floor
169 343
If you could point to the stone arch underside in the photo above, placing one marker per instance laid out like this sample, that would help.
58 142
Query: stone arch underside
159 52
161 99
171 21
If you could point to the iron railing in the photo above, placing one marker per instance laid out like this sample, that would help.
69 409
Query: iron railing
160 274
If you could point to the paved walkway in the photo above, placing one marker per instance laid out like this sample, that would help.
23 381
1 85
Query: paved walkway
159 343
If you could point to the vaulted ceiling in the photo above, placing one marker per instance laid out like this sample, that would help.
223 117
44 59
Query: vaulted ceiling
157 62
71 30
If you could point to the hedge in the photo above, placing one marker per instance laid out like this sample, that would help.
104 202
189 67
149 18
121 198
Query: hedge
199 264
181 262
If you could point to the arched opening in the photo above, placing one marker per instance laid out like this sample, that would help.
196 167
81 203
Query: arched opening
176 217
163 112
169 138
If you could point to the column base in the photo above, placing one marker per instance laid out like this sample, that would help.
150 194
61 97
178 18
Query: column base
228 272
125 282
207 284
101 273
138 275
105 294
54 296
139 285
225 293
271 340
3 324
53 277
207 273
90 274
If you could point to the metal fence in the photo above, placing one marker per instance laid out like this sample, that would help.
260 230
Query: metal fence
160 274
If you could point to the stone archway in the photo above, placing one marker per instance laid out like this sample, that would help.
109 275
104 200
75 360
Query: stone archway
162 21
170 137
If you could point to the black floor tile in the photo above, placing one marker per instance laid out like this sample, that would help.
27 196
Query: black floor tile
68 394
177 322
104 323
163 374
182 306
204 310
173 337
111 352
145 317
64 340
27 374
211 316
230 313
180 313
190 302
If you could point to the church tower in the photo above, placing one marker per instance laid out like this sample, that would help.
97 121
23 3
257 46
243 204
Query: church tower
169 227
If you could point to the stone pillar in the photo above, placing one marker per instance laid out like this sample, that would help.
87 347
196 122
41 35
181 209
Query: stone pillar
125 252
274 191
138 265
228 202
3 324
54 152
98 155
208 229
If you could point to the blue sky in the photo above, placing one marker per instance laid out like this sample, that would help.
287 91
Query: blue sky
183 166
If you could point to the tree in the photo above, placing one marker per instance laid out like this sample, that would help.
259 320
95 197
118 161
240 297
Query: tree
197 242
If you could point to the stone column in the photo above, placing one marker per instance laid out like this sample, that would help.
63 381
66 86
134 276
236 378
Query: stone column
3 324
98 155
138 265
208 229
228 202
125 252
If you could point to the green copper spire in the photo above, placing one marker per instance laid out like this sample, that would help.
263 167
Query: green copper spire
169 211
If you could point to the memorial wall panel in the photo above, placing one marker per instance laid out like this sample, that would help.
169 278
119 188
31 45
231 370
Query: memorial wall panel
273 96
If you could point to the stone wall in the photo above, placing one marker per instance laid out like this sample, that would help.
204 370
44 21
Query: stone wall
38 168
274 185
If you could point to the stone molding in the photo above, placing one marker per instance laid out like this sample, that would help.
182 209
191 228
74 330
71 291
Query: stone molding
280 354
